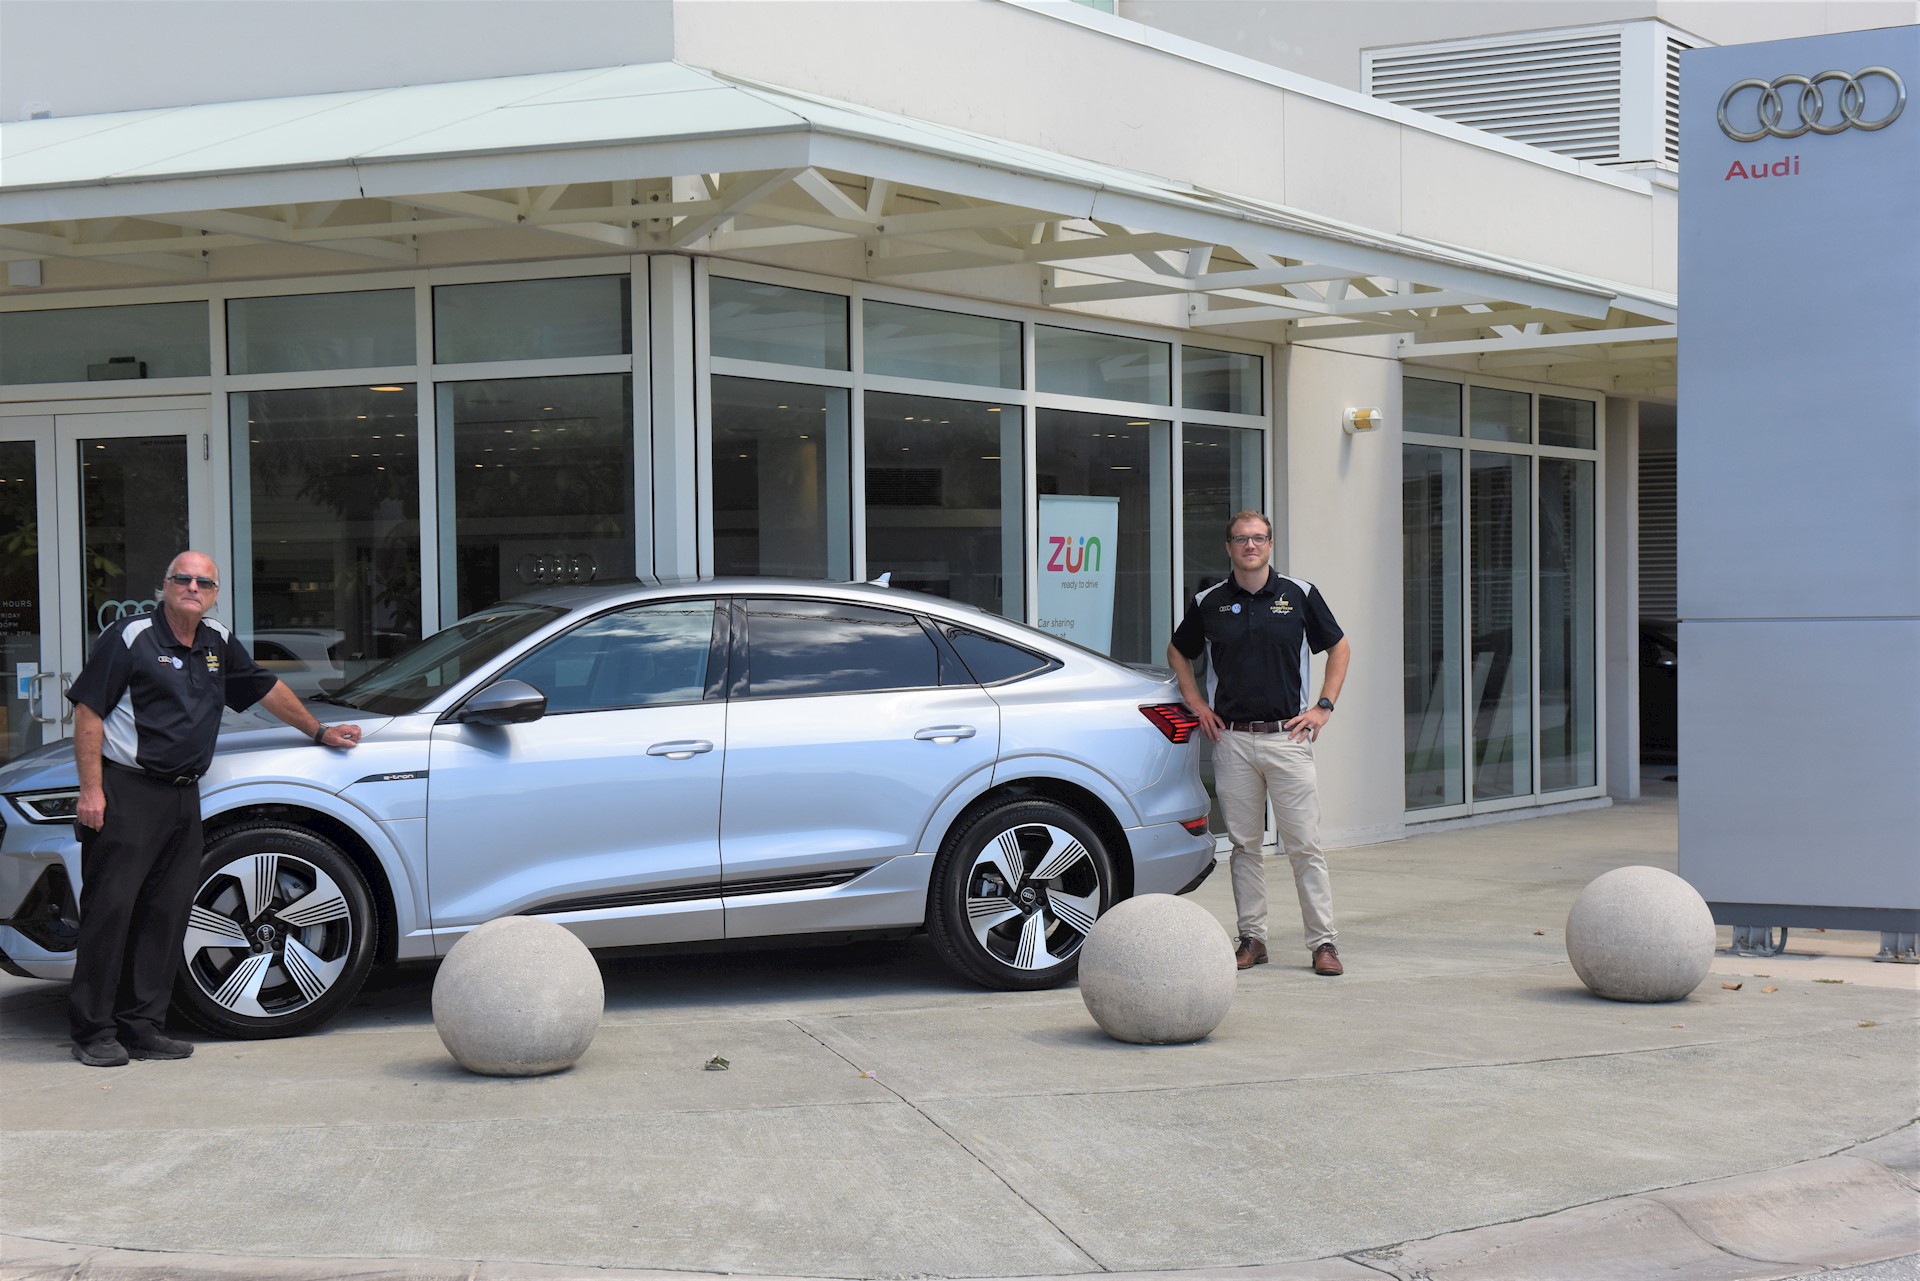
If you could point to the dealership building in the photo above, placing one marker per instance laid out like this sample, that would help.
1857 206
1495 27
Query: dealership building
980 294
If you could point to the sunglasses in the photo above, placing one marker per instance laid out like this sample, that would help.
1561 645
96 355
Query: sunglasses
194 580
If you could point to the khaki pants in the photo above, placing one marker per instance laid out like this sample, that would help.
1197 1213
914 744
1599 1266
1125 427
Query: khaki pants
1250 770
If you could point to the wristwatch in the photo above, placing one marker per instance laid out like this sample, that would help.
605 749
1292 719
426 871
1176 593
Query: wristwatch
1325 704
320 737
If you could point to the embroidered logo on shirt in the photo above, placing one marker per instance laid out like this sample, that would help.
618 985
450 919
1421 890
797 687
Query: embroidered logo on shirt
1281 605
213 662
168 660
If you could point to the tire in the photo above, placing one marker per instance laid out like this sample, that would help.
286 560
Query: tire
281 934
1015 891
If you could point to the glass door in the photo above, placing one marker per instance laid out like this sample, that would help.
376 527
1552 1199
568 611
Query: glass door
92 508
29 653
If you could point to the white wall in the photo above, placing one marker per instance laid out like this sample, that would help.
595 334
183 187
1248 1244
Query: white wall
1323 38
83 57
1339 528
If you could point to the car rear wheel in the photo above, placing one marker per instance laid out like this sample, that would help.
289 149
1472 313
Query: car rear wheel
1015 892
280 937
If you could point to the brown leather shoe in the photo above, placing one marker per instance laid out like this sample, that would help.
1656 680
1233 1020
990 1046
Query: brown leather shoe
1326 960
1251 952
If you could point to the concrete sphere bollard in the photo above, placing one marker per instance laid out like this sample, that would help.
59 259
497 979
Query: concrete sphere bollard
519 996
1640 934
1157 970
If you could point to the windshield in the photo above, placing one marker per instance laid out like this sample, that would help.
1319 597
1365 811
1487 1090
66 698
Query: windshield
409 682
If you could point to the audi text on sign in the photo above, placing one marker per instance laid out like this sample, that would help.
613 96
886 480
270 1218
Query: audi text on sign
660 764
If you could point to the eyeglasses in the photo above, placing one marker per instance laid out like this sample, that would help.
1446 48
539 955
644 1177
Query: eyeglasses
194 580
1250 540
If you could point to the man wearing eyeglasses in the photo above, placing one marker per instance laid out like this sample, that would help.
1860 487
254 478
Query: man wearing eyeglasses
146 710
1259 630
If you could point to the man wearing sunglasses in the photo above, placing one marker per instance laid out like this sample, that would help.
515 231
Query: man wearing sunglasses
146 710
1259 630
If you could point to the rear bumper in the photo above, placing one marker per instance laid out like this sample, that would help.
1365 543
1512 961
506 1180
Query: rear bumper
1168 859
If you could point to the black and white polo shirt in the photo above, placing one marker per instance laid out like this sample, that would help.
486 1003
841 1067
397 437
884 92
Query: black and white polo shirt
160 700
1259 645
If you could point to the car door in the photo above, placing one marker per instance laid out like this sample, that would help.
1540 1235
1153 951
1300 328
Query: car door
604 813
842 741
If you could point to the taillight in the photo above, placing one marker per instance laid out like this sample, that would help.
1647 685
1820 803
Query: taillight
1173 720
1198 826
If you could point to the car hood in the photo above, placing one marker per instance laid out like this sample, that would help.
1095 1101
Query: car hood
242 734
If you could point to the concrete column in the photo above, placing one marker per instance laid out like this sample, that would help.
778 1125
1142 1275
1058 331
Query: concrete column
1620 595
1337 519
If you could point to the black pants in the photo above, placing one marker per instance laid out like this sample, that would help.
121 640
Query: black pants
138 874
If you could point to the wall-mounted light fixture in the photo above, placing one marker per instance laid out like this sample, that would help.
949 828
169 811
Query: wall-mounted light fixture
1359 420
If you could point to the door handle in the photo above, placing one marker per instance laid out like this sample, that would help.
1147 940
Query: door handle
944 733
66 708
34 698
681 749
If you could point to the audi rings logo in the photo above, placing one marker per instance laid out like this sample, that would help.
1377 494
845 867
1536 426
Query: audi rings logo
112 611
556 568
1781 112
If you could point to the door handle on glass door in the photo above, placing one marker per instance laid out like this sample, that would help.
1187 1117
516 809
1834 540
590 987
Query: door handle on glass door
944 733
681 749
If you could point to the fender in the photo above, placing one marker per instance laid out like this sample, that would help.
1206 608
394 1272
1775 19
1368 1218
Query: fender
409 893
963 793
1067 769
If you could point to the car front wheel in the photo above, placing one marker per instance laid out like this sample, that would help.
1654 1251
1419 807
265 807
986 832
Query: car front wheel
1015 892
280 937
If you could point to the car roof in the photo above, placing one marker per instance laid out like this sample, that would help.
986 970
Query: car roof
587 595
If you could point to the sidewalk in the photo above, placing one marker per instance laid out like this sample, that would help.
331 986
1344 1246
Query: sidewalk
1456 1106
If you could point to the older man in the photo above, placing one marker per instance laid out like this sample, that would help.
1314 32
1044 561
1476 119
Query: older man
146 712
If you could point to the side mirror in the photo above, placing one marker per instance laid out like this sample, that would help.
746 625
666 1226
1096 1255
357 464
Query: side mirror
504 703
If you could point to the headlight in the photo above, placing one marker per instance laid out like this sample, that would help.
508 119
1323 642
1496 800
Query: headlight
50 807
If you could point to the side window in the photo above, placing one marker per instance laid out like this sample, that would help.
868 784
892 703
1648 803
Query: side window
992 660
269 652
818 647
647 654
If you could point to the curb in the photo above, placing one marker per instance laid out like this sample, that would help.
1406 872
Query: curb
1857 1207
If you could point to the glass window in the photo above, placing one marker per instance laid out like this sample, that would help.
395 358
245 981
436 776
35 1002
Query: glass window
1501 415
944 499
1431 407
940 346
781 473
1076 363
20 634
1221 475
649 654
776 324
1227 381
320 331
537 482
1127 459
992 660
1430 616
1567 676
1502 639
330 482
133 519
103 344
817 647
445 658
1566 422
532 319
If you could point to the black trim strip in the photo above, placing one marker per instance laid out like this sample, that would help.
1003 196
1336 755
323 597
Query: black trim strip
1897 920
703 890
401 776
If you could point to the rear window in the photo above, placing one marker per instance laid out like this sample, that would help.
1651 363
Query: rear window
992 660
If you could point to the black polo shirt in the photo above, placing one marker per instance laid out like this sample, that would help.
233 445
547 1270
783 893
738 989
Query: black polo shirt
161 700
1259 645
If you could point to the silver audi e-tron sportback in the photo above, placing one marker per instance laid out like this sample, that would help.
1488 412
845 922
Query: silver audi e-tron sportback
662 763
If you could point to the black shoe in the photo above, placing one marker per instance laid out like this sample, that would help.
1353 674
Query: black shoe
159 1047
101 1051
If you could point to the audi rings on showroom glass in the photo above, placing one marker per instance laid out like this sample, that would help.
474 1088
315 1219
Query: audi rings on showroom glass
112 611
1770 107
556 569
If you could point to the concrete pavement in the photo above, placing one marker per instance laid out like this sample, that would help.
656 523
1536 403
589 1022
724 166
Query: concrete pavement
1456 1106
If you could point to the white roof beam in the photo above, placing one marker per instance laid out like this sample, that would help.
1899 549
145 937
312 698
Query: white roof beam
829 197
730 197
1536 342
270 231
38 245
